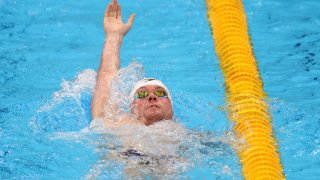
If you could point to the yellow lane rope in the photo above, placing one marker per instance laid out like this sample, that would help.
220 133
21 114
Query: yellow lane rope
244 90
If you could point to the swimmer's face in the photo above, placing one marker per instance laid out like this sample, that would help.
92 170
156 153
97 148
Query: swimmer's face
152 108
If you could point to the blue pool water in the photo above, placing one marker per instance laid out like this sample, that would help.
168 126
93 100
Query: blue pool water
49 54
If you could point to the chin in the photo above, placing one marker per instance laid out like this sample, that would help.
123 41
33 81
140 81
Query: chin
154 117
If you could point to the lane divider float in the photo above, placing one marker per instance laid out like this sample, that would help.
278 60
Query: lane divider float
244 90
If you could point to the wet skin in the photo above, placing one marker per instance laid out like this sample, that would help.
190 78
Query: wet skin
152 108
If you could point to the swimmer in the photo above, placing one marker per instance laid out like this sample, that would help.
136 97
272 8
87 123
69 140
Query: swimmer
165 147
150 99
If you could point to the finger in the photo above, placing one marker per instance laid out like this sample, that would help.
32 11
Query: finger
130 20
108 11
119 13
115 7
113 10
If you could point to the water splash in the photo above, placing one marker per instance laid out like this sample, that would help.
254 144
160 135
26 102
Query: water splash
68 110
166 149
121 86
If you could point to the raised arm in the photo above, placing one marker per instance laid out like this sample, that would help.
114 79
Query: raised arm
115 30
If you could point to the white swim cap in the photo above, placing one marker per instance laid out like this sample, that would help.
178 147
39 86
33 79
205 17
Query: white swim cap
146 82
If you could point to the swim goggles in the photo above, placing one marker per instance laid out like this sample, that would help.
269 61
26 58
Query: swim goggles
158 92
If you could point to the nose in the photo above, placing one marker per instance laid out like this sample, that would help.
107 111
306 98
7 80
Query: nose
152 97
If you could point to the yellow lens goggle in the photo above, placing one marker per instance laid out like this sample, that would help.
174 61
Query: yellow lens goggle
143 94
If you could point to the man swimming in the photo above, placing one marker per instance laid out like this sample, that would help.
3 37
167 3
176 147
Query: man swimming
150 99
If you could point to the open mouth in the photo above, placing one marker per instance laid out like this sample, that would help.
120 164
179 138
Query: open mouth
153 107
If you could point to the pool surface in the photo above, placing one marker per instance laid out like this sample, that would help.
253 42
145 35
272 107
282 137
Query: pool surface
49 55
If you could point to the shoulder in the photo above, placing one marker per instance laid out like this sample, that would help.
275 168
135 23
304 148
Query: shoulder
120 121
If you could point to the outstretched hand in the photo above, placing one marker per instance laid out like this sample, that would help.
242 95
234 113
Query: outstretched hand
113 24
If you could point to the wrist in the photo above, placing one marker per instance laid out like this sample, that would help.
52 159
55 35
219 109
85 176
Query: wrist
114 36
114 39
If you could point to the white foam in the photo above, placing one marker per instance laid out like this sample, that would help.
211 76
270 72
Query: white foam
47 117
121 87
66 108
167 147
161 138
84 81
